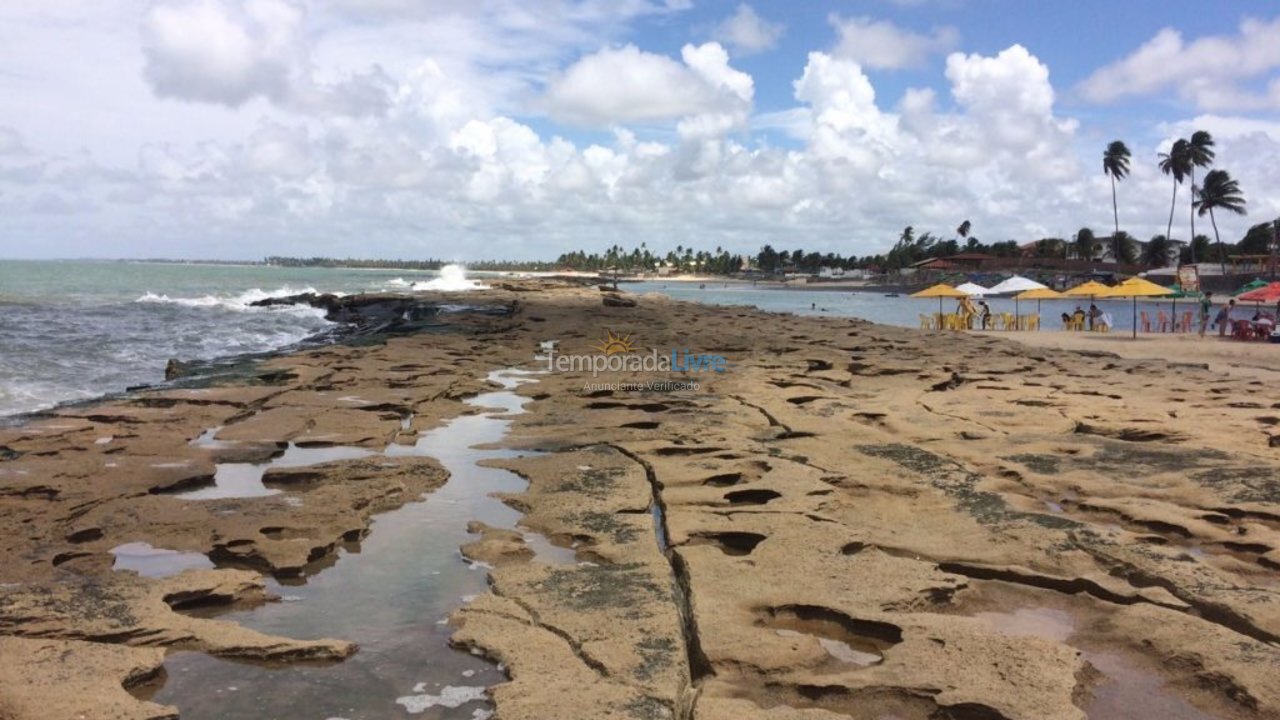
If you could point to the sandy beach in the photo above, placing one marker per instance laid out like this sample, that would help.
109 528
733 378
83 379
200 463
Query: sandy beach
1222 355
851 520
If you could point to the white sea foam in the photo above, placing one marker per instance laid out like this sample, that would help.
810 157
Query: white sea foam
451 696
242 302
453 278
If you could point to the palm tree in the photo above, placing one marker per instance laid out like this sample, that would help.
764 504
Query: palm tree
1086 244
1199 154
1115 163
1219 191
1175 163
1156 253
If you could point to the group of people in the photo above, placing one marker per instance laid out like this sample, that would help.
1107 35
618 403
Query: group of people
1227 315
1098 320
969 310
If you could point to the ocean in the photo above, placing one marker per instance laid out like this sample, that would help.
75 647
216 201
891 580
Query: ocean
74 330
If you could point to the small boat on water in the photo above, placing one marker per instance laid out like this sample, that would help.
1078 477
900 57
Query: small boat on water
892 295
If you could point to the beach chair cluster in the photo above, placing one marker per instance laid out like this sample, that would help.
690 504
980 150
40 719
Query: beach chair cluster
995 321
1167 323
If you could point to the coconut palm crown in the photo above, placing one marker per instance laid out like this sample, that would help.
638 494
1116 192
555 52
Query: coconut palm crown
1199 154
1176 162
1115 163
1219 192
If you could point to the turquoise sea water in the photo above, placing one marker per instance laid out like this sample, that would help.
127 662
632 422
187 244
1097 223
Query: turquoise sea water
875 306
71 330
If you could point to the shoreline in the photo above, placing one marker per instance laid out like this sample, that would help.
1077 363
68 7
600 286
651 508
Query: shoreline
978 483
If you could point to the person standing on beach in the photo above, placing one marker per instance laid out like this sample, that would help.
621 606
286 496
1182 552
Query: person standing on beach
1206 304
1224 318
986 314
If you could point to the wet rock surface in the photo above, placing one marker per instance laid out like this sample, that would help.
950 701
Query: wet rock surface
851 521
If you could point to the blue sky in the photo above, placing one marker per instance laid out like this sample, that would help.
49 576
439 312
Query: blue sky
467 130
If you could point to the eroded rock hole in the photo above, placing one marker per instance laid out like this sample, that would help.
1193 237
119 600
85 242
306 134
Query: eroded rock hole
752 497
730 543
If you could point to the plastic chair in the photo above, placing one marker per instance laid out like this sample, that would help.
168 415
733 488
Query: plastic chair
1033 321
1146 321
1188 322
1162 321
926 322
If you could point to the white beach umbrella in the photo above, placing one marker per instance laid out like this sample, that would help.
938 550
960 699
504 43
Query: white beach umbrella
1015 284
972 289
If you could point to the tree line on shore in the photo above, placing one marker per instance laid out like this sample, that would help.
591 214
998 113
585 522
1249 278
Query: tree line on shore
910 248
1218 191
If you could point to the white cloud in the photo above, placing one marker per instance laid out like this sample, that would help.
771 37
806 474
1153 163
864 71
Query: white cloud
211 51
226 53
1208 72
1011 99
747 32
452 165
627 85
847 124
881 44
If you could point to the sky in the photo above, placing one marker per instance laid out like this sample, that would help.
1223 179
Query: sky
521 129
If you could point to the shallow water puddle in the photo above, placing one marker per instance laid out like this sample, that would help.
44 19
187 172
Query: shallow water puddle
155 562
242 480
840 650
1127 690
846 640
1032 621
392 597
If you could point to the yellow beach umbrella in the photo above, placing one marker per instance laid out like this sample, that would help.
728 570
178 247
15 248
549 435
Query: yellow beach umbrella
1091 289
940 291
1040 294
1037 294
1136 287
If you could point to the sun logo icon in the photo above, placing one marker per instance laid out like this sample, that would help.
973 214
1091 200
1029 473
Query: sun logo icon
615 344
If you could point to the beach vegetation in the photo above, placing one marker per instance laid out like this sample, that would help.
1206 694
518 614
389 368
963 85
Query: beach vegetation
1086 244
1221 192
1200 154
1177 164
1159 252
1115 163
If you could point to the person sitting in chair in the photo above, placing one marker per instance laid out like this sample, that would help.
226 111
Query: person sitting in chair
1078 318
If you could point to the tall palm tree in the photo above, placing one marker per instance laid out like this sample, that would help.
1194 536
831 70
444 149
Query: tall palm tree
1199 154
1220 192
1115 163
1176 163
